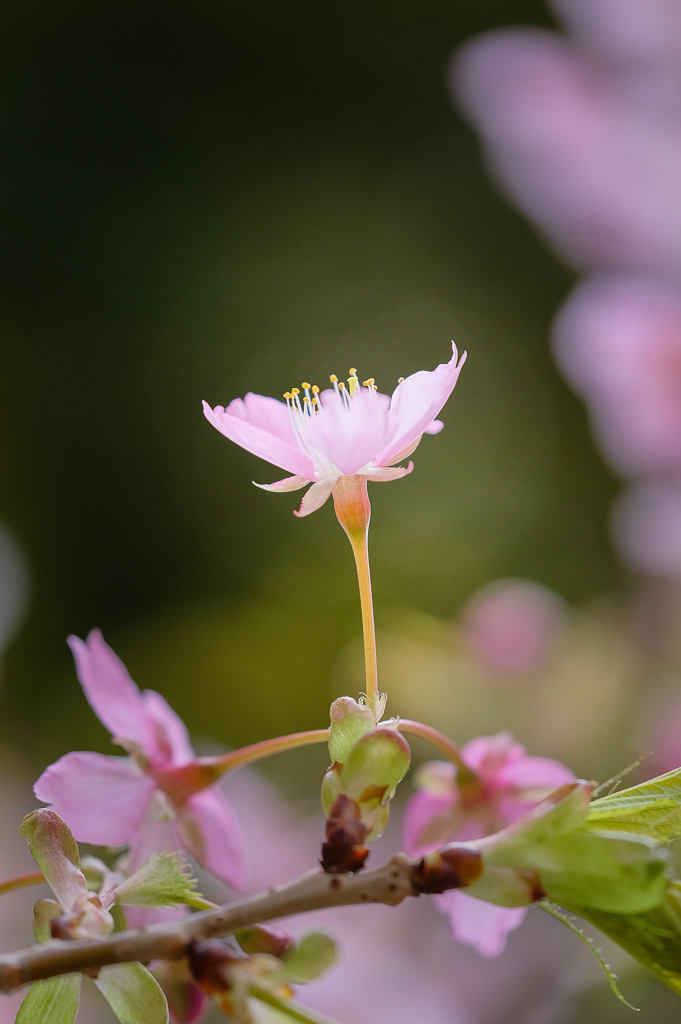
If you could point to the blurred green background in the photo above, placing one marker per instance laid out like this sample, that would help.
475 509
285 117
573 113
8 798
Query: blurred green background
200 200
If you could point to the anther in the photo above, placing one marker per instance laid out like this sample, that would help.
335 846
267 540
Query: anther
368 383
333 378
306 387
400 379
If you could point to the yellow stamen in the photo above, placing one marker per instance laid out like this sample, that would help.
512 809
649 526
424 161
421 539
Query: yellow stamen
315 389
368 383
333 378
306 387
400 380
295 391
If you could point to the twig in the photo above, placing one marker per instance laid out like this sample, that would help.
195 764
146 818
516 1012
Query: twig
389 884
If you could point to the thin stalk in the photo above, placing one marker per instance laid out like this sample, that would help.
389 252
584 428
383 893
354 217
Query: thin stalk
21 882
293 1010
353 511
466 778
360 549
181 783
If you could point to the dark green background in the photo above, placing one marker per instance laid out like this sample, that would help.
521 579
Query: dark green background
201 199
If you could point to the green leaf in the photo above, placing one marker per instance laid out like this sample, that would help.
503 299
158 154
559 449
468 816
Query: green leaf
133 994
349 722
307 961
591 946
560 813
56 853
608 871
653 937
652 809
163 881
54 1001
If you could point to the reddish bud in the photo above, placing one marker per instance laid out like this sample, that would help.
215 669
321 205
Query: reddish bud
208 962
343 850
454 867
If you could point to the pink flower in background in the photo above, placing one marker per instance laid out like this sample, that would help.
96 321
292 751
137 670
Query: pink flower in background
512 783
586 137
111 801
511 625
647 527
618 341
348 430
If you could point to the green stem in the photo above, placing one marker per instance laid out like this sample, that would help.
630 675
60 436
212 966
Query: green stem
21 882
293 1010
466 778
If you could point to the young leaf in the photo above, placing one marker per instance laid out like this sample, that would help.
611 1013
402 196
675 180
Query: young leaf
133 994
55 851
609 871
652 809
307 961
163 881
653 938
54 1001
554 911
560 813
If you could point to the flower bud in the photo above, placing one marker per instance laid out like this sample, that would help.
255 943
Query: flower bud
343 850
454 867
262 940
349 722
209 961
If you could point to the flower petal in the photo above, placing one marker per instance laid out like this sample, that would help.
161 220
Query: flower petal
262 426
110 691
416 402
209 829
157 836
102 799
316 497
289 483
172 738
533 772
434 428
382 474
481 925
421 810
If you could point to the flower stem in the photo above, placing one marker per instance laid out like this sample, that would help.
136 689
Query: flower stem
180 783
292 1010
466 778
353 510
21 882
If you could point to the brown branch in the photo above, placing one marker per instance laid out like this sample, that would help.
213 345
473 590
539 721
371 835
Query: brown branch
389 884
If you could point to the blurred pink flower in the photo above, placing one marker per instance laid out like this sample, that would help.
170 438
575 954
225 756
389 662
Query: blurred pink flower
344 431
646 523
587 144
441 813
510 625
618 341
111 801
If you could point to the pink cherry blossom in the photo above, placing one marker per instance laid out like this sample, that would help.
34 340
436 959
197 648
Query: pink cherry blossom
511 625
112 801
343 431
512 783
